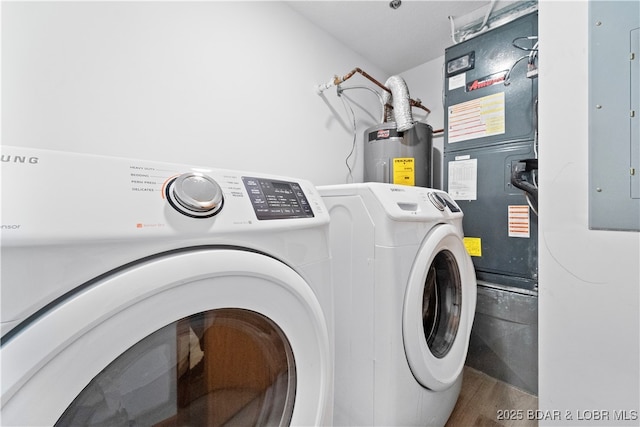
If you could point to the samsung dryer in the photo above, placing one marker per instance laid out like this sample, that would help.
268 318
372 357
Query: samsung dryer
145 293
405 296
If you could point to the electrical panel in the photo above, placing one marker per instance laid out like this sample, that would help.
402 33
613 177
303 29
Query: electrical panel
614 115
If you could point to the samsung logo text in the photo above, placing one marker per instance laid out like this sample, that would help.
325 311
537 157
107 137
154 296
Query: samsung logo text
19 159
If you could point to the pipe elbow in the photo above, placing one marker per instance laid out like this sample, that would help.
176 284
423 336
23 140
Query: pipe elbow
401 102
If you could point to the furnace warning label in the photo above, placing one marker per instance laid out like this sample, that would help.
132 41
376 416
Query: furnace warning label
404 172
519 225
477 118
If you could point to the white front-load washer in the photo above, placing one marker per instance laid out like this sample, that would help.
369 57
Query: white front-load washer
145 293
405 296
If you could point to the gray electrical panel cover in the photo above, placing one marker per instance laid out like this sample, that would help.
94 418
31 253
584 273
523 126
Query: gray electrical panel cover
614 115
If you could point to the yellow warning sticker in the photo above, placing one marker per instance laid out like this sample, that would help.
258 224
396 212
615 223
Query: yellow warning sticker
404 172
473 245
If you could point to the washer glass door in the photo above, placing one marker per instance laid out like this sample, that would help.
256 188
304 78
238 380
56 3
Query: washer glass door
439 307
203 337
442 303
225 366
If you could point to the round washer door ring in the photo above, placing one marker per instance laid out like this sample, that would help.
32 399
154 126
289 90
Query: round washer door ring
437 317
52 360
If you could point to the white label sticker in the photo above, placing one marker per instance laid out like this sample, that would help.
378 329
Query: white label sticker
519 221
463 179
458 81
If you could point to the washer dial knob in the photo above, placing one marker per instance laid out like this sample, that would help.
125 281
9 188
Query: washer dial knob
437 201
195 195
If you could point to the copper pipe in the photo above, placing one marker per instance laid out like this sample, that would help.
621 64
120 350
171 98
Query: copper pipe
418 104
350 74
337 80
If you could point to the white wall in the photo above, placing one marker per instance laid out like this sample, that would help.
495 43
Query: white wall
589 299
223 84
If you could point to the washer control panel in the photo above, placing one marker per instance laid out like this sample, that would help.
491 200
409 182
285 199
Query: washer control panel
126 198
441 200
273 199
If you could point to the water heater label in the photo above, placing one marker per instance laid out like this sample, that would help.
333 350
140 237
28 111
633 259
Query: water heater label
382 134
404 171
477 118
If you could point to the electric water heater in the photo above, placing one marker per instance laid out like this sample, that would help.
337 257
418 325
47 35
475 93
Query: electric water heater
399 157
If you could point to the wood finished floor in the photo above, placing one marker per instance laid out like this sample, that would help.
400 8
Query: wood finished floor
487 402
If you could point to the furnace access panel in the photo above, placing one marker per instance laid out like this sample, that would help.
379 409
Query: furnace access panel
490 132
489 89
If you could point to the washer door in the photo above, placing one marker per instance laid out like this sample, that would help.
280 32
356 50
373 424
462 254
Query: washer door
206 337
439 307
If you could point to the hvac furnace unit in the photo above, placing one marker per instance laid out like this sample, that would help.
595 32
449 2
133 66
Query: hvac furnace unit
490 168
490 129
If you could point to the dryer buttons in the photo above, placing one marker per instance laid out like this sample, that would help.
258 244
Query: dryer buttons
195 195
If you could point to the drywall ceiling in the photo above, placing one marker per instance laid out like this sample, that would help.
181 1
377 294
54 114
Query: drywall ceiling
399 39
